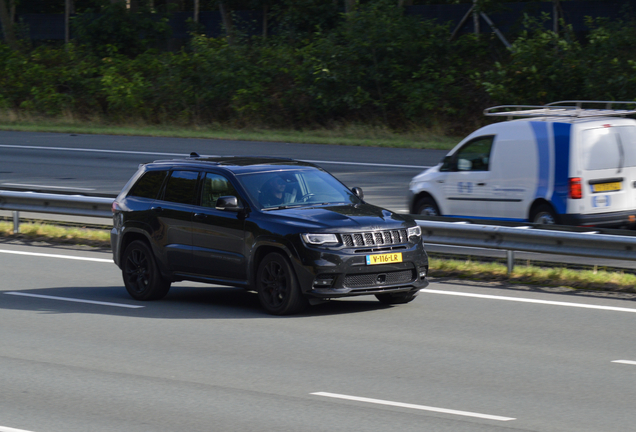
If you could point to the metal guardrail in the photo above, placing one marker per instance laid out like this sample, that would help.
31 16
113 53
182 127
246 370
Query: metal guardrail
529 238
526 238
36 202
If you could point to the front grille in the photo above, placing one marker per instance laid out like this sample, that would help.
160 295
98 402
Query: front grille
385 278
377 238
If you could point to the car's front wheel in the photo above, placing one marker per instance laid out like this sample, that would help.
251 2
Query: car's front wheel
141 276
426 206
277 286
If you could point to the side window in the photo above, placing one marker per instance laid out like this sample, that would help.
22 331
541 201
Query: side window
148 185
475 155
181 186
214 187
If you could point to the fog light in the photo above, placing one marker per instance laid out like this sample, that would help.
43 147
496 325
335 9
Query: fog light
323 281
423 274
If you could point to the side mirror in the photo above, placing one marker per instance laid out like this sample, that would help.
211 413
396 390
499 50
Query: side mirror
358 192
228 203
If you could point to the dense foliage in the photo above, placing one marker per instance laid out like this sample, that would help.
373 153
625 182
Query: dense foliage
374 65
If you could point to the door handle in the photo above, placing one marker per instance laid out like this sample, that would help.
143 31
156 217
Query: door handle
440 181
200 216
481 184
156 209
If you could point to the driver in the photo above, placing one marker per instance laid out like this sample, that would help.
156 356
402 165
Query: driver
273 192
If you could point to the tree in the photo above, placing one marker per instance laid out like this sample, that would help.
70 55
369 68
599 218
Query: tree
7 26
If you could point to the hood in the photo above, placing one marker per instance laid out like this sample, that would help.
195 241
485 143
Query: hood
347 217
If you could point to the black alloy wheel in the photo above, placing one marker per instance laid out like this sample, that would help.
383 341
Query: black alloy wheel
277 286
141 276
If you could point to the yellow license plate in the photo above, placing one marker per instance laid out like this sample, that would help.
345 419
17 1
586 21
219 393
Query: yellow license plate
384 258
606 187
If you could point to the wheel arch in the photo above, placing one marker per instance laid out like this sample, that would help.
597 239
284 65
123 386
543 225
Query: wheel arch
538 203
261 251
128 238
419 196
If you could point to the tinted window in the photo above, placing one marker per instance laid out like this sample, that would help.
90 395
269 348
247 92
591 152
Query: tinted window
181 186
475 155
295 188
148 185
214 187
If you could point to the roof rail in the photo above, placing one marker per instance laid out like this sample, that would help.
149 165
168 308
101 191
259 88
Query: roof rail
568 108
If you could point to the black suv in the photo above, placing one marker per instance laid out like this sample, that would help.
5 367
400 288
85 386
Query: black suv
286 229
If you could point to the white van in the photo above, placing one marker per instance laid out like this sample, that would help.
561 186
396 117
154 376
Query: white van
559 163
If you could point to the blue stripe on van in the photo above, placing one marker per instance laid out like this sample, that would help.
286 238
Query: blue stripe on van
543 148
561 166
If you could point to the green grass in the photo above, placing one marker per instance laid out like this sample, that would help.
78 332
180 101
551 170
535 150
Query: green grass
35 231
351 135
602 280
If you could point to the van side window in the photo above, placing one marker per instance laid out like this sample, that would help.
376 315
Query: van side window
214 187
181 186
148 185
475 154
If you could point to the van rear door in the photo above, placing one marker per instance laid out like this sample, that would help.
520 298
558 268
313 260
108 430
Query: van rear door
608 168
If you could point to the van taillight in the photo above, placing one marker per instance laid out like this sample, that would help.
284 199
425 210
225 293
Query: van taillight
576 192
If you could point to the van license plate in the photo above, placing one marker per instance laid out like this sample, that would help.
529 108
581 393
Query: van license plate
384 258
606 187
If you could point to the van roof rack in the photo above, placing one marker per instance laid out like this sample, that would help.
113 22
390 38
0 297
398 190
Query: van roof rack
568 108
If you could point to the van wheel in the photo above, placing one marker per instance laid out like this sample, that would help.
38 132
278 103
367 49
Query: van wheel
427 206
141 276
278 288
544 214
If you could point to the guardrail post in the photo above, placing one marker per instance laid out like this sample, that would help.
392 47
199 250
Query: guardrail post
510 257
16 222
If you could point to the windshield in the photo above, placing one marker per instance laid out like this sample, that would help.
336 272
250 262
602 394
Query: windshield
295 188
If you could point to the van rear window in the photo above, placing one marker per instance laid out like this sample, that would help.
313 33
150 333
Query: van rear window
609 147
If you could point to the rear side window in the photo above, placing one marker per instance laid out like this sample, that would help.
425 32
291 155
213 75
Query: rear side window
181 186
148 185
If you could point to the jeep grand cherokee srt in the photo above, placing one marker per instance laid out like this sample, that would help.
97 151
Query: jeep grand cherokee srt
286 229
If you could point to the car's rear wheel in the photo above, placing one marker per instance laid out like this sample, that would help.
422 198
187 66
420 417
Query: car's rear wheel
544 214
427 206
277 286
141 276
399 298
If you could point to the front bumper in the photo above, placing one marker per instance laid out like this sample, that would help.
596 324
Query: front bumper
345 273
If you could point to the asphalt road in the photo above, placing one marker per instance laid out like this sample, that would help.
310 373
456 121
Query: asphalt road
104 163
77 354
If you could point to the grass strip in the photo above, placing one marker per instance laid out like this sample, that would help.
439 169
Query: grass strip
350 135
602 280
57 234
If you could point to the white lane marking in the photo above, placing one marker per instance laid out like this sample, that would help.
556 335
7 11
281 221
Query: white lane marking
629 362
8 429
526 300
412 406
47 187
184 155
91 150
57 256
367 164
74 300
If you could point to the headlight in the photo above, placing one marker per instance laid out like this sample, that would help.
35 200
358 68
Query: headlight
319 239
415 231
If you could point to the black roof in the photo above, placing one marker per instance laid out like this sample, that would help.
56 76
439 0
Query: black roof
237 164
